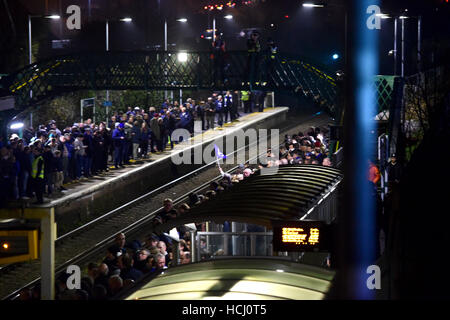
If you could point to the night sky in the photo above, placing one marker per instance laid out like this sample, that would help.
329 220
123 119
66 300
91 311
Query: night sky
313 33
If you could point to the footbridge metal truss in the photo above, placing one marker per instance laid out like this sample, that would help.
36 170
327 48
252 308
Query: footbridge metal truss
156 70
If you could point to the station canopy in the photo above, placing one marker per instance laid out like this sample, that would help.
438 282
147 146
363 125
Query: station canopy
287 194
238 279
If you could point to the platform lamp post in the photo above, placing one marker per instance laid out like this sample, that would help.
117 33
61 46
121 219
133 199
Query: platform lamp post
127 19
402 18
182 20
323 5
30 54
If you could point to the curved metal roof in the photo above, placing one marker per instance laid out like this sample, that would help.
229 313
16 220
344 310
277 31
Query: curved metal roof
285 195
238 279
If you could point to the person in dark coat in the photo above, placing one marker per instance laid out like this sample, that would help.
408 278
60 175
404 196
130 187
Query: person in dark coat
118 138
37 175
99 153
48 169
89 151
136 139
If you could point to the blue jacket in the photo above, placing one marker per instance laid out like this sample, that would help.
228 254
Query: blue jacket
219 106
185 119
116 136
70 149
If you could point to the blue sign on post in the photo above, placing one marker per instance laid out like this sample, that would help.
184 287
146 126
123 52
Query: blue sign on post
107 104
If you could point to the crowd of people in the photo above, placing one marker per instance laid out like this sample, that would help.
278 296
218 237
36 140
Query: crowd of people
125 263
43 160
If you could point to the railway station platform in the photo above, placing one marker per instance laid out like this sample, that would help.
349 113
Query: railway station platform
86 199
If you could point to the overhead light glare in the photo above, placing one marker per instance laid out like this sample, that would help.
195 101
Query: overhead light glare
182 56
17 125
313 5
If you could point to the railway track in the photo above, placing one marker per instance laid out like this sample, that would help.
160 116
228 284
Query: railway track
88 243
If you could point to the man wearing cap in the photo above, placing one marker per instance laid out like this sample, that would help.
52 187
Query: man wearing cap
118 138
394 170
37 175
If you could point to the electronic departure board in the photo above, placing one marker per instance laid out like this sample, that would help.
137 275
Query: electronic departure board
299 236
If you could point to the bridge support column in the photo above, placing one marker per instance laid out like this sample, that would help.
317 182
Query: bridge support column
48 236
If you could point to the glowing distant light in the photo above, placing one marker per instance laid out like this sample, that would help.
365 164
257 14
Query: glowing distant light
5 246
313 5
272 25
383 15
17 125
279 270
286 16
182 56
335 56
126 19
54 17
182 20
229 17
403 17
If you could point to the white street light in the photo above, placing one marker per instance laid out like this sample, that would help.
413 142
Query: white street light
312 5
383 15
54 17
228 17
126 19
182 20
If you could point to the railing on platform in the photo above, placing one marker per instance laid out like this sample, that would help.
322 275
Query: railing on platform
337 158
231 244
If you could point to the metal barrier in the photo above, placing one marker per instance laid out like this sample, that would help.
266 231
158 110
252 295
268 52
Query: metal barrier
231 244
337 158
325 209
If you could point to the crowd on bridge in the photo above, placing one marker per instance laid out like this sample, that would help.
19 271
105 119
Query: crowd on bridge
41 161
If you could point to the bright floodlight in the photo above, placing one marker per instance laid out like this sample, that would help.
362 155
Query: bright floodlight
335 56
182 56
126 19
383 15
17 125
229 17
55 17
182 20
313 5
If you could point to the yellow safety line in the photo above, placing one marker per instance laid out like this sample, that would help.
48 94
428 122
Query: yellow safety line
35 77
